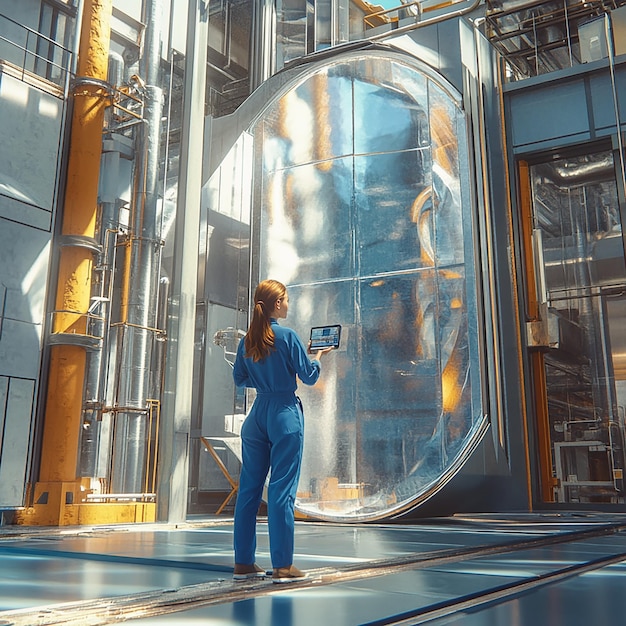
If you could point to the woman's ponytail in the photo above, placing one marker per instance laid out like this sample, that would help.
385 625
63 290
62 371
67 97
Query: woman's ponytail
259 340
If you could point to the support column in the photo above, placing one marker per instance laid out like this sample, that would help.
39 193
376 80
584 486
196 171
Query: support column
176 414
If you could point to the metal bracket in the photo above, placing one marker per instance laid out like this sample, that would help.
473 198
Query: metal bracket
89 342
80 241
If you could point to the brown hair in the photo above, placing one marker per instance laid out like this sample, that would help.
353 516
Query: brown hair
259 340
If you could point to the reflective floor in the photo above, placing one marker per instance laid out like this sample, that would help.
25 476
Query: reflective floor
523 570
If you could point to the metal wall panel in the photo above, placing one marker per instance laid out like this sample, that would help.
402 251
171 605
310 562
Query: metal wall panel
16 408
30 131
17 211
19 349
24 260
602 101
560 111
565 108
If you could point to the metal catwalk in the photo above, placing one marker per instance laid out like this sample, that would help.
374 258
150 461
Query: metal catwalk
522 570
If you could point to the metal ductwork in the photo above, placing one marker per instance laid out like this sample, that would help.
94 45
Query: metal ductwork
575 172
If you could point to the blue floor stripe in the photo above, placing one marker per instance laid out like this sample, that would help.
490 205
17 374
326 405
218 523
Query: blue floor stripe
113 558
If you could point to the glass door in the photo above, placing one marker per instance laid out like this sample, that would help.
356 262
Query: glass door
576 336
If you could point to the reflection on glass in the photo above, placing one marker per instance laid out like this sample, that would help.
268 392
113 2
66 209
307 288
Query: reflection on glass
360 212
223 271
291 30
576 212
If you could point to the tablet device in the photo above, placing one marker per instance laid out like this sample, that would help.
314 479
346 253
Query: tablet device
325 337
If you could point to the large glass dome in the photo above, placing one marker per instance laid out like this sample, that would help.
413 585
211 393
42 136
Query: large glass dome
362 208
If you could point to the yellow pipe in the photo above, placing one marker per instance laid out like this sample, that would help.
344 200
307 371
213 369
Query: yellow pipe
63 411
124 299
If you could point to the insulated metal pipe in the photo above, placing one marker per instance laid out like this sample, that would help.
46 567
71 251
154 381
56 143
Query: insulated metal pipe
262 54
80 6
93 449
140 304
94 455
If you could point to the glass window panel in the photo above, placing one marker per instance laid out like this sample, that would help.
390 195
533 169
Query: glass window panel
217 29
219 410
291 30
39 61
60 56
323 24
577 211
447 223
329 405
389 210
388 117
318 113
343 20
414 85
241 28
307 221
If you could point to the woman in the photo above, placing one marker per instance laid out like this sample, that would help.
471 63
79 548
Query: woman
269 359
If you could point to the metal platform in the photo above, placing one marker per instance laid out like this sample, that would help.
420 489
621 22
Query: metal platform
482 571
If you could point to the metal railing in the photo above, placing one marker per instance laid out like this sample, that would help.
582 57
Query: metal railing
33 55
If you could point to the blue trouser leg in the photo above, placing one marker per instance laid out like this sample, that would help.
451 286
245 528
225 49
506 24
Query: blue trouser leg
255 465
285 431
272 435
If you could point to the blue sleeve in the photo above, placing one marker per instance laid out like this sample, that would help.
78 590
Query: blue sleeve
240 372
308 371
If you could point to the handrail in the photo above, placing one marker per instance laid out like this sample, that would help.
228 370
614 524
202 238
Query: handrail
33 58
32 31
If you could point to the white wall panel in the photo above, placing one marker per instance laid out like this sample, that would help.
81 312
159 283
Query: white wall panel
16 408
30 128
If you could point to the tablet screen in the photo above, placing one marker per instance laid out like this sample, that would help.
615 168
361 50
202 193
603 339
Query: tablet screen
325 337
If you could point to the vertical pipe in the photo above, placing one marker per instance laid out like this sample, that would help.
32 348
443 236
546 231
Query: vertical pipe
77 34
141 296
67 363
95 373
159 349
262 52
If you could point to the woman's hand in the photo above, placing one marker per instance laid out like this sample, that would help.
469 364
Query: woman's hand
319 353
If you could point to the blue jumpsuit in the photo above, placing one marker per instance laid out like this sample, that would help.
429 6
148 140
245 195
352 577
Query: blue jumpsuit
272 437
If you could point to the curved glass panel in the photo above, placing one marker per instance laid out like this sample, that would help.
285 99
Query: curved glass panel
362 208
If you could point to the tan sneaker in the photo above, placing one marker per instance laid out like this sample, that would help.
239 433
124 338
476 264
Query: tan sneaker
287 574
245 572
